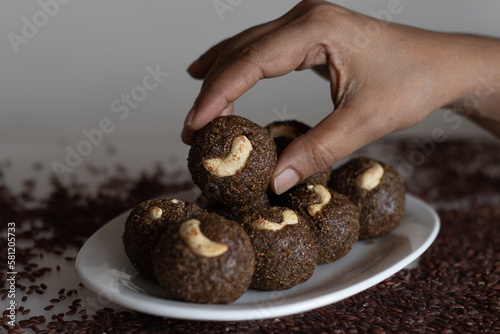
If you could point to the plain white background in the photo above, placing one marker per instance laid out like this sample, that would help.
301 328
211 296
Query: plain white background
64 78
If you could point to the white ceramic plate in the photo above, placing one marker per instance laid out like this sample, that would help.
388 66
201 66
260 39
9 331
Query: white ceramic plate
104 268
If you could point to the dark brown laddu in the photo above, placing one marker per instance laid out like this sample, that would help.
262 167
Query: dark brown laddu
214 141
192 277
146 223
335 227
381 208
285 256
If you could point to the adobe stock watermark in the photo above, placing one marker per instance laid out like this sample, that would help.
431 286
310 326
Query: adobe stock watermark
225 6
114 282
364 36
121 107
428 146
31 26
282 115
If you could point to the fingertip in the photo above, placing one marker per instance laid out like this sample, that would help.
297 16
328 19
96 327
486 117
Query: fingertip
187 135
193 65
197 70
301 159
228 111
190 115
285 180
207 107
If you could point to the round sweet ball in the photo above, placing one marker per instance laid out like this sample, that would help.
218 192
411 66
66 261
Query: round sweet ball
207 259
332 217
146 223
232 159
376 189
285 250
284 133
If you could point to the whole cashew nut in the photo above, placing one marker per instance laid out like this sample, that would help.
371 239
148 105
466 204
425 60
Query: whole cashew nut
288 217
371 177
235 161
197 242
324 198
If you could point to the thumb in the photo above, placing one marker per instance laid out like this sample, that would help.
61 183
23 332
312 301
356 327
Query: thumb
335 137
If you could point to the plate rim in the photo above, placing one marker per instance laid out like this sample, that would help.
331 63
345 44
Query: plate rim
233 312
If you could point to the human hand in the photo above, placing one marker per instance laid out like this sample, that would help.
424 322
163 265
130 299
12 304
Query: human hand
380 83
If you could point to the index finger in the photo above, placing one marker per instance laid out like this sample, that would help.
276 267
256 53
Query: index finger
218 96
275 54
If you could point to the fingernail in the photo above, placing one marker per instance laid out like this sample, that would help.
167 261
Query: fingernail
285 180
190 115
226 112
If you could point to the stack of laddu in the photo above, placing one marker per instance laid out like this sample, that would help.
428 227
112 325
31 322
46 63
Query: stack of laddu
238 234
